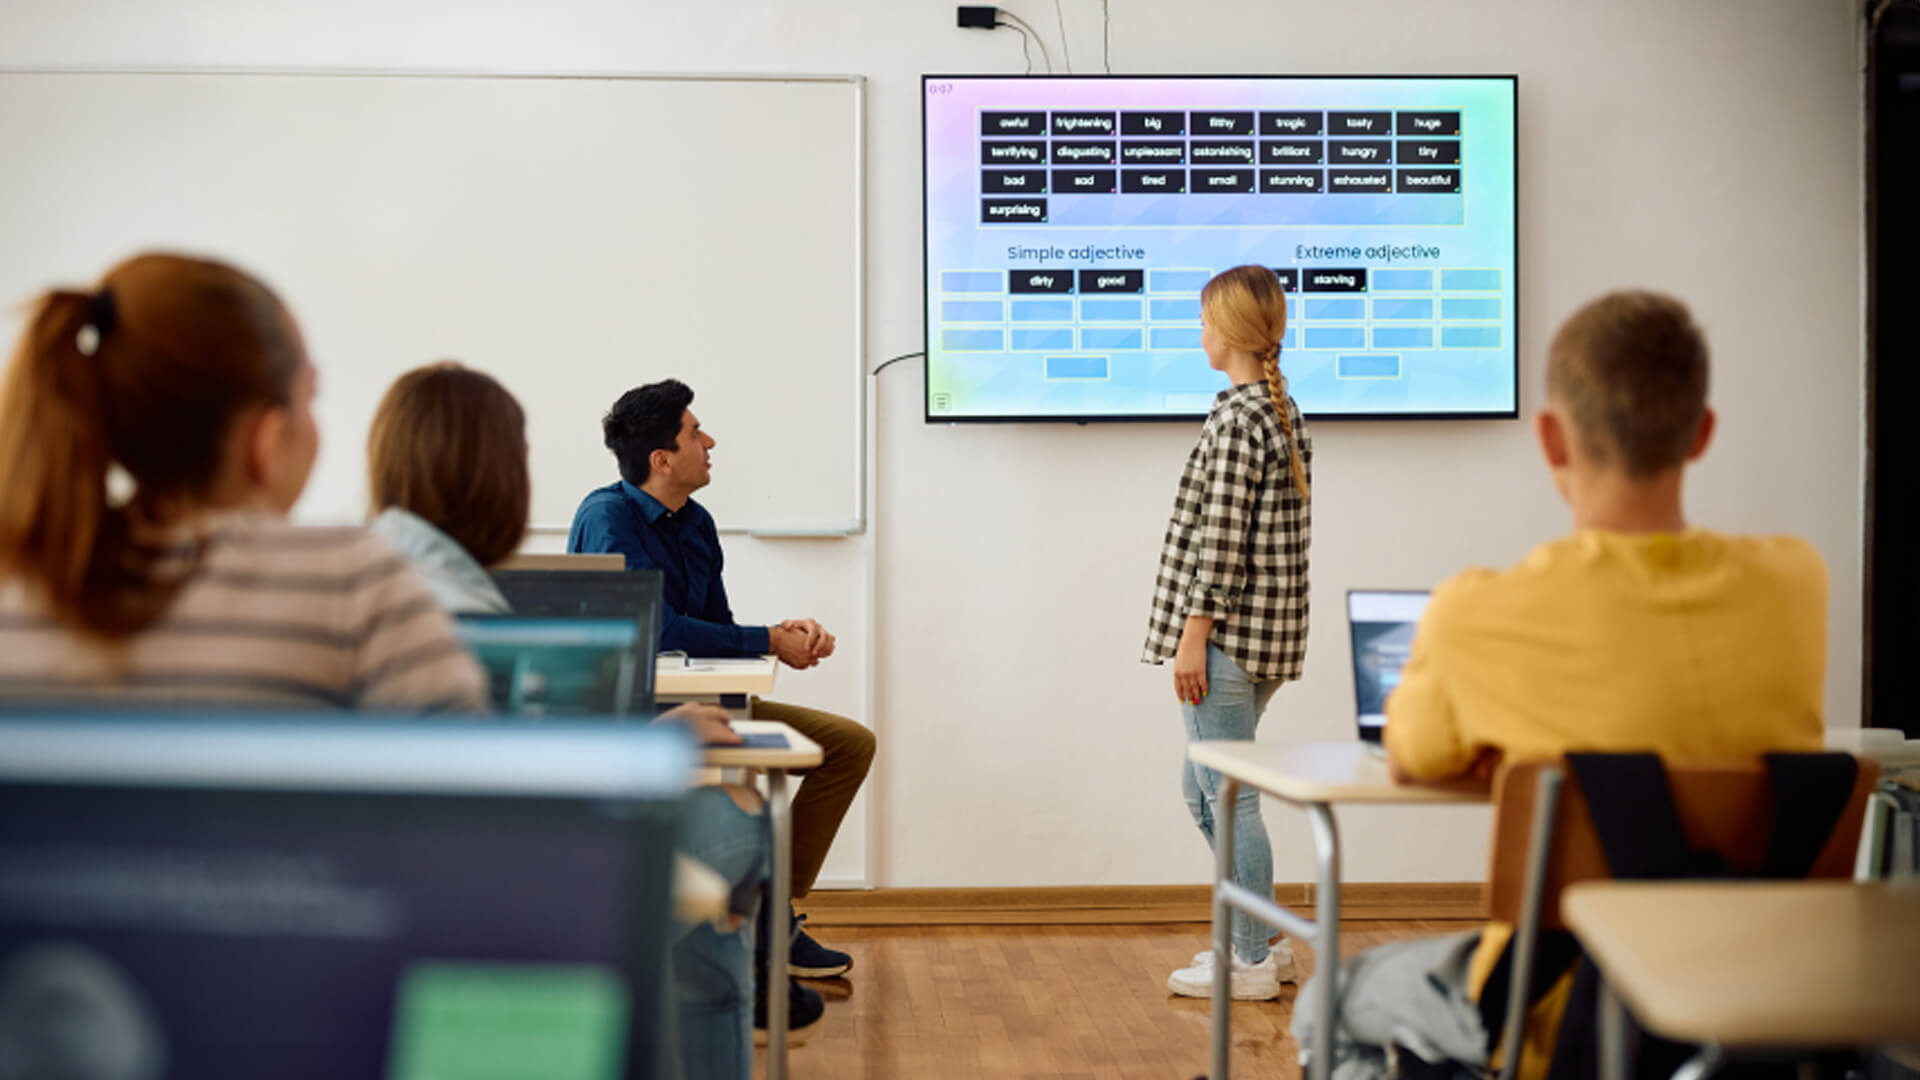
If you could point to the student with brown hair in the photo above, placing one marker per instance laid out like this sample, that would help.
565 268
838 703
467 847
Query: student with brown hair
447 472
154 433
1638 632
1230 598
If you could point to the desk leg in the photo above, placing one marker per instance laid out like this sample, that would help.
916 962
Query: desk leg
1222 928
779 809
1613 1035
1326 938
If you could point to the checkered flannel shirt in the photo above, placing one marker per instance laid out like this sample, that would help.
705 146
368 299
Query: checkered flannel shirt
1236 546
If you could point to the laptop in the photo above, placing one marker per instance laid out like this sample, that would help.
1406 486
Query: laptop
633 594
1382 622
545 666
310 898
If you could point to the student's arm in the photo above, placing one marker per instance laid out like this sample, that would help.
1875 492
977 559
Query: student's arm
1424 742
599 530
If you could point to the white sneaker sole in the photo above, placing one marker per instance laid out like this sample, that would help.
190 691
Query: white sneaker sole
1243 992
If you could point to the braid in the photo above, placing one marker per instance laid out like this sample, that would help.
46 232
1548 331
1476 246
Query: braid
1277 390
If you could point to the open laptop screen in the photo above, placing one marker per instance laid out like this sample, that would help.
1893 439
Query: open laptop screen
308 901
634 594
559 666
1382 623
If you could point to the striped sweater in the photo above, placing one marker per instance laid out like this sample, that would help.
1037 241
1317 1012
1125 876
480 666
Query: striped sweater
270 614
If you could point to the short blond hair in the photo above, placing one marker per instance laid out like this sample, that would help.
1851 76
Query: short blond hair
1631 370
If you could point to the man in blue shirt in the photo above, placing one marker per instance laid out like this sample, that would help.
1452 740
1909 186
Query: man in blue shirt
650 517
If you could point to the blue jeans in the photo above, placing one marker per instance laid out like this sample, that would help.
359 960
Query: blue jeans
1231 710
713 969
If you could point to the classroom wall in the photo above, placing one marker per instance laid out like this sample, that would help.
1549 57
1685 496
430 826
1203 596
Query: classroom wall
1709 147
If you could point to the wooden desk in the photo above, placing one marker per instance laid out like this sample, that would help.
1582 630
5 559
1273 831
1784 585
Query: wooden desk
1886 748
801 753
727 683
1313 777
1755 965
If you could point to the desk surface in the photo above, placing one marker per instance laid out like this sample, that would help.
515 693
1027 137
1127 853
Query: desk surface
1887 748
1343 772
801 752
1758 964
675 677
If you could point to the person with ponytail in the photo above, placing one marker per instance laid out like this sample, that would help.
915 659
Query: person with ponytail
1230 598
154 433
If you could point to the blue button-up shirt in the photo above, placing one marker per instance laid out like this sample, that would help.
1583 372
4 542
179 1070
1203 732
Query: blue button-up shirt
684 546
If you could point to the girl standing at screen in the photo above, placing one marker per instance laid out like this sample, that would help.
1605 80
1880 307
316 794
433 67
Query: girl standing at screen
1230 599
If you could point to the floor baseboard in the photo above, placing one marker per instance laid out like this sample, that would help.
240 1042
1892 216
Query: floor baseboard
1125 904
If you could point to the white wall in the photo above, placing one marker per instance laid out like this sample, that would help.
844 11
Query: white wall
1709 147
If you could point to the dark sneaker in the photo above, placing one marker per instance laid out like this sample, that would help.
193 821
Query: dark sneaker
804 1009
808 959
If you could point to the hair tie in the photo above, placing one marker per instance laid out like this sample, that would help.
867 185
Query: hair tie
102 316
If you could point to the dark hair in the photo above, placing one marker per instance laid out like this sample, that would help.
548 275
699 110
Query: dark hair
450 444
645 419
1631 369
149 372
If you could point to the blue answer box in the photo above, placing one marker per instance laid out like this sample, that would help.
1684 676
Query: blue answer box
1061 339
1402 309
1043 311
1470 337
1343 307
1110 310
1336 337
1402 280
1077 367
970 311
1403 337
964 281
1470 308
1109 338
972 340
1469 281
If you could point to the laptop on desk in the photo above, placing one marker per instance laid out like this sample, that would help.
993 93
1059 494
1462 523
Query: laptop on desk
545 666
565 594
318 897
1381 622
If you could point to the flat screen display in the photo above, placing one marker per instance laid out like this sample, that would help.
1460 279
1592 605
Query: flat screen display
1071 222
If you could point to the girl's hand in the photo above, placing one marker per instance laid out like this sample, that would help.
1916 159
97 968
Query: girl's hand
1190 669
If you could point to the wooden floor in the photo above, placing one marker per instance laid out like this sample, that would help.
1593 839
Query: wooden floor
1052 1002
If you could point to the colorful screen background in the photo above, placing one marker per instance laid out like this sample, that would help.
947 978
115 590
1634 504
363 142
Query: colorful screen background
1431 333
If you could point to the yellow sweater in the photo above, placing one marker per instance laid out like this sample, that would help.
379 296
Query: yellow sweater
1696 646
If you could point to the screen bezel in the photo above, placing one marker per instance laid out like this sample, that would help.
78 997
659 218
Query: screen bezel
926 299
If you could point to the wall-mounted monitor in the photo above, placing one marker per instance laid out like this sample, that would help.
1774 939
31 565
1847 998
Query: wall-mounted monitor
1071 222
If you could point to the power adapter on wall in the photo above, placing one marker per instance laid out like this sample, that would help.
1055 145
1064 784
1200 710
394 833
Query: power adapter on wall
977 16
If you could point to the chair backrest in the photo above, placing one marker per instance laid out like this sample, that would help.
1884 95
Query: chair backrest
1724 807
610 561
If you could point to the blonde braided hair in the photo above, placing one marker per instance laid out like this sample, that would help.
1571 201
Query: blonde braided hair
1248 308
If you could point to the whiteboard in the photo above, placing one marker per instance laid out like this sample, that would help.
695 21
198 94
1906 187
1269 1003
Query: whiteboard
574 237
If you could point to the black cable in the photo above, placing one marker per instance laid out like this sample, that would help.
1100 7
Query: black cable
1045 53
1024 42
1066 50
895 360
1106 36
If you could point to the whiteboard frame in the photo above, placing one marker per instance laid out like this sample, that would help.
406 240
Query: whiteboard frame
857 82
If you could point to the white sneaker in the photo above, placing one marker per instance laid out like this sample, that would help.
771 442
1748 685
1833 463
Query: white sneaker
1289 971
1249 982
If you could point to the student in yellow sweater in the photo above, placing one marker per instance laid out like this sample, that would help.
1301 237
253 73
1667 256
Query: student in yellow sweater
1637 632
